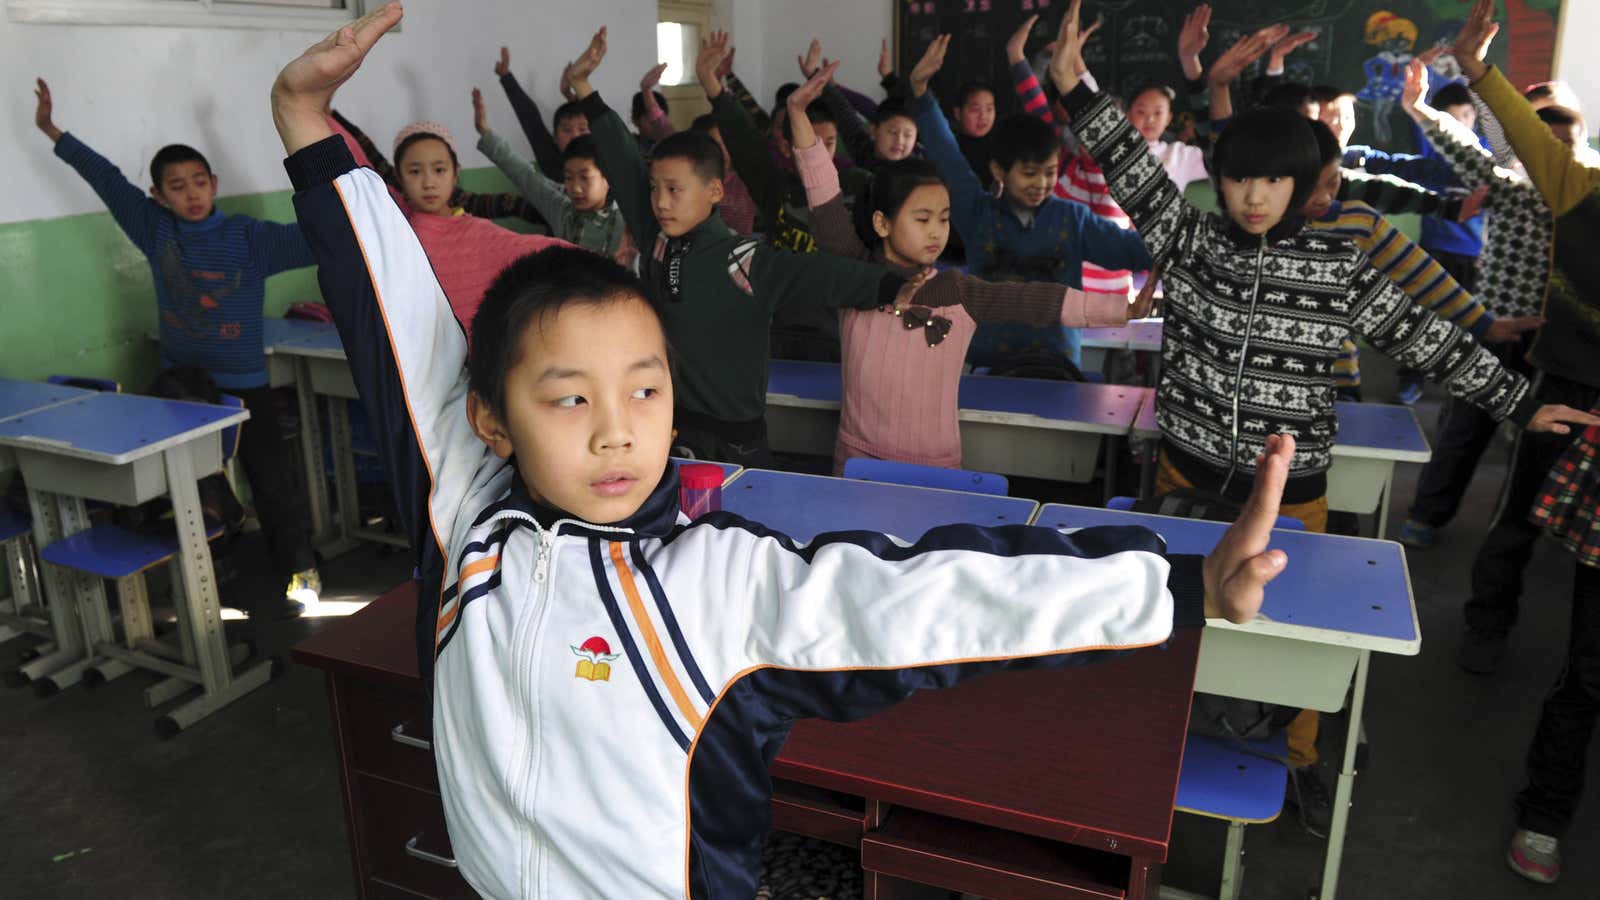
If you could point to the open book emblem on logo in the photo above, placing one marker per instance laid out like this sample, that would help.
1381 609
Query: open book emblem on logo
595 661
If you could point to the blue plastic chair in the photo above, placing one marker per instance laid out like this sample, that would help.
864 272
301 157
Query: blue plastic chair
891 472
1240 782
1125 504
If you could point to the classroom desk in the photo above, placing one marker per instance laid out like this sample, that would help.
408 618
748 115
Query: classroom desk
21 613
804 506
1015 426
1054 783
127 449
1372 438
1340 600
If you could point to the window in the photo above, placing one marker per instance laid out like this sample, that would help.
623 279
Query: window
298 15
680 25
677 45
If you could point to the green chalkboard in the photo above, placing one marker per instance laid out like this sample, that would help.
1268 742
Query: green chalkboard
1362 45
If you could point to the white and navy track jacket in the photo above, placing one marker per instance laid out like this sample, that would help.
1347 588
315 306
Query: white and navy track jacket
607 698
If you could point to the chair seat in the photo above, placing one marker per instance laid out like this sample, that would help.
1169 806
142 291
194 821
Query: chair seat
1223 779
114 552
12 526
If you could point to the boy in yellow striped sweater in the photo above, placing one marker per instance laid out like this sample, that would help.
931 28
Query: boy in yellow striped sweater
1404 263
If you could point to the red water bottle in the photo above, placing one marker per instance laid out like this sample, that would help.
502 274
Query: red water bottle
699 489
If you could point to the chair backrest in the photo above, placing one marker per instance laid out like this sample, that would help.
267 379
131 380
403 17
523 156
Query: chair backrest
887 470
104 385
1288 523
230 435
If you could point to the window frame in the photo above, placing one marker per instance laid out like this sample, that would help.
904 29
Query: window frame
183 14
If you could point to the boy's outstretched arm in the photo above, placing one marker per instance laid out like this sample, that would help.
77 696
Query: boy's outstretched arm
134 211
407 352
539 137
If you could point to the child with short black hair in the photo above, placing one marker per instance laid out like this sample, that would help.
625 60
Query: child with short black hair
974 120
547 525
569 122
210 270
579 208
1027 233
718 291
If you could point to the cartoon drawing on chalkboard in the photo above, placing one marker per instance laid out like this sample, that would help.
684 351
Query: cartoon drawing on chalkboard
1395 37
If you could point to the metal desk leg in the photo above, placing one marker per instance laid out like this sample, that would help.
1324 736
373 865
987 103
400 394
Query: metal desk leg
322 528
1347 780
201 604
344 468
1383 502
1113 445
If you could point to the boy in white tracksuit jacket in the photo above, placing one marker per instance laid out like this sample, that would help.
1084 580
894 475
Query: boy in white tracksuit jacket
607 696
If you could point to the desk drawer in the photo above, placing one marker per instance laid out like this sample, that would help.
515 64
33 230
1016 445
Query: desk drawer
934 850
399 825
377 748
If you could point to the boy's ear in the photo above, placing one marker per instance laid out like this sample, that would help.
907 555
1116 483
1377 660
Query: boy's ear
214 182
717 190
488 427
156 193
880 224
997 171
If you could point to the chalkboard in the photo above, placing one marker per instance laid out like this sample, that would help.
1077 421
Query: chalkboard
1362 45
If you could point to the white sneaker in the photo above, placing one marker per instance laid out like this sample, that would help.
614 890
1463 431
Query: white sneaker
1535 856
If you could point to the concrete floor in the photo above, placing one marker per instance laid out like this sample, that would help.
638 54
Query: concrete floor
245 805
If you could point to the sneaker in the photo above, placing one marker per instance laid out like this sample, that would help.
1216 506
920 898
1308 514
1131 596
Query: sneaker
1418 536
1535 856
1481 653
1409 391
305 588
1311 792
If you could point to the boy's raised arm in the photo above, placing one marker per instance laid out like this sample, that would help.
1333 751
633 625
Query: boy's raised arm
539 137
407 353
620 161
548 198
134 210
747 148
967 196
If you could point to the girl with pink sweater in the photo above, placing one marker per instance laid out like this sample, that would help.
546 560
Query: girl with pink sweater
467 252
902 369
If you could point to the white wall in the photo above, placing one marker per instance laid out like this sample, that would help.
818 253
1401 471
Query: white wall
850 30
1576 61
128 91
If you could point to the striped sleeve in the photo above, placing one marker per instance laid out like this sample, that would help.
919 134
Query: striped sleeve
1029 92
1412 270
406 350
888 617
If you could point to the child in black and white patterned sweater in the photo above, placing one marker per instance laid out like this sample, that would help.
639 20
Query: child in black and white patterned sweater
1257 306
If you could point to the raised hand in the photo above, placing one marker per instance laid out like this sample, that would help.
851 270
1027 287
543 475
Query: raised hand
1016 44
503 67
304 89
1143 304
580 69
713 50
566 87
1504 331
1416 88
1065 64
812 61
806 94
929 65
1192 40
1231 64
726 69
908 291
1240 566
1287 46
1474 38
43 113
1557 418
648 83
480 115
885 61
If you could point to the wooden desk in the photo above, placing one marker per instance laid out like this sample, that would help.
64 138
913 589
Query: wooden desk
1027 784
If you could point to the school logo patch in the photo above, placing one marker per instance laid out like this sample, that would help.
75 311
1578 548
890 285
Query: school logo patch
740 259
595 656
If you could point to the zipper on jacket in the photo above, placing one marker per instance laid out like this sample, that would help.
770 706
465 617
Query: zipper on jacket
1238 376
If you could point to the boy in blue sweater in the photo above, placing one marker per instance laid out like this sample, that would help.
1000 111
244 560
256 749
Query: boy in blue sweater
1025 234
210 271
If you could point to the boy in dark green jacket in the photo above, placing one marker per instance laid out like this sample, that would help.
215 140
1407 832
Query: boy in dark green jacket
717 290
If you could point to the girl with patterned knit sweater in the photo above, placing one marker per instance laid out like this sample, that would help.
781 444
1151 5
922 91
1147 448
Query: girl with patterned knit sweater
1258 305
902 369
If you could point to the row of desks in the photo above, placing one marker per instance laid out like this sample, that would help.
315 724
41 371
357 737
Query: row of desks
125 449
